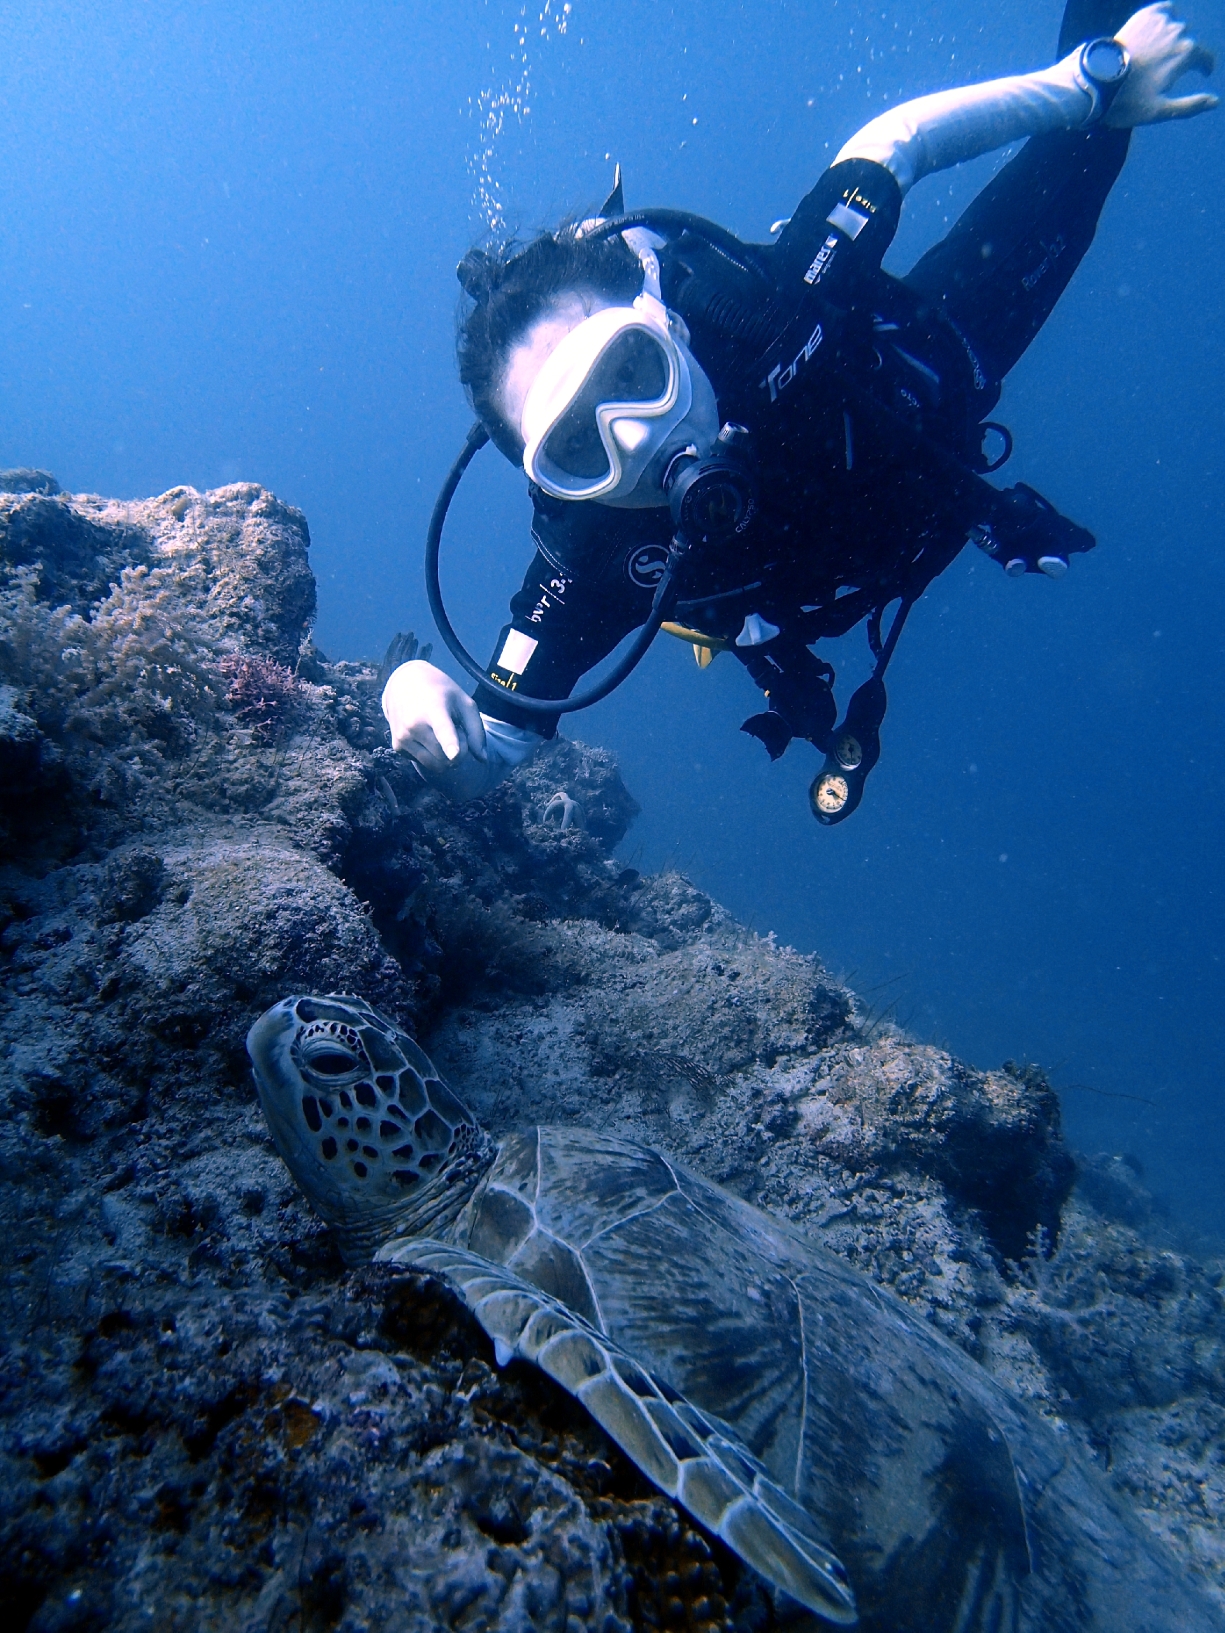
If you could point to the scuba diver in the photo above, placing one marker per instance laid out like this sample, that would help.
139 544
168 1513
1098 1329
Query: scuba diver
757 446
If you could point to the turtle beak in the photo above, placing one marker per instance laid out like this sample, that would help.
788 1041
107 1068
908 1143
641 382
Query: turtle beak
268 1046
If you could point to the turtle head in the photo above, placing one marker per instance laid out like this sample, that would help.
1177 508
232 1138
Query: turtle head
378 1143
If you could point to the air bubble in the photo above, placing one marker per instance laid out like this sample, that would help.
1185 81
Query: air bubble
512 99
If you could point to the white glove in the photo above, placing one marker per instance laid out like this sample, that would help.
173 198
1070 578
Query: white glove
454 746
1161 51
431 719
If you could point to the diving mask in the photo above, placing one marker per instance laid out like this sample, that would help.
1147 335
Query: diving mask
605 401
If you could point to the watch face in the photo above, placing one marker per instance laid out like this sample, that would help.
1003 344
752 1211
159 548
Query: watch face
1105 61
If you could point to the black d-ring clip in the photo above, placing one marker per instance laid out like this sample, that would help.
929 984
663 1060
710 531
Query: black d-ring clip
1003 431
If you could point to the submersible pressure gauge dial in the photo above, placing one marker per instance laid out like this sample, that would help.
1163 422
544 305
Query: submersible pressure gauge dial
830 793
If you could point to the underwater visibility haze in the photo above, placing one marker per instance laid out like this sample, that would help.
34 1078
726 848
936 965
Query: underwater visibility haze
228 253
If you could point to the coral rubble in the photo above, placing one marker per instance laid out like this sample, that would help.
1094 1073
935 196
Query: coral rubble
207 1423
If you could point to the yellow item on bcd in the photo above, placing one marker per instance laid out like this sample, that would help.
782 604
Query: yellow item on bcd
706 648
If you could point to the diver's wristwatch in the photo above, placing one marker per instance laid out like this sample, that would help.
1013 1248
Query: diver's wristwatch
1103 68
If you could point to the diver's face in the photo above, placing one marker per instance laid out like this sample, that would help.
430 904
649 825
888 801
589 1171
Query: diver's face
527 357
528 354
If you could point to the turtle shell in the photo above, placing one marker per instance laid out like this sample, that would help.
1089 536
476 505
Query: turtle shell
865 1467
950 1506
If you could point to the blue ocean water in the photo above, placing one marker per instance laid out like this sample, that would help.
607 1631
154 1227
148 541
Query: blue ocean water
228 236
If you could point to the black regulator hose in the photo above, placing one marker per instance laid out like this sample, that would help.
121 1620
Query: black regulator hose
710 232
661 605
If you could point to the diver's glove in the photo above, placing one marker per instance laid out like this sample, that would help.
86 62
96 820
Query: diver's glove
454 746
1161 51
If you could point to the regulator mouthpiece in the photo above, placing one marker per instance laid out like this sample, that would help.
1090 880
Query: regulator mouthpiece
714 498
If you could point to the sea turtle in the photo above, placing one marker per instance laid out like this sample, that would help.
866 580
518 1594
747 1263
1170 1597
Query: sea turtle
861 1463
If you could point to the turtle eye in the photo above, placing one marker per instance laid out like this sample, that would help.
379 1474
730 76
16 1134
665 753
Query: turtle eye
331 1062
331 1058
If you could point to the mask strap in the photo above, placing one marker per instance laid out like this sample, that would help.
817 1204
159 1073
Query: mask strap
644 243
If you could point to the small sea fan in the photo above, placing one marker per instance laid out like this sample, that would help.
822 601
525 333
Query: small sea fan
262 694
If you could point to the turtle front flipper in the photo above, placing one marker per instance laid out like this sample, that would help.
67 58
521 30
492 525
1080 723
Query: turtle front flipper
687 1455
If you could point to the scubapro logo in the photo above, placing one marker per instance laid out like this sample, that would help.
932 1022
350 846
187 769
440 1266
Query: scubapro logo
645 565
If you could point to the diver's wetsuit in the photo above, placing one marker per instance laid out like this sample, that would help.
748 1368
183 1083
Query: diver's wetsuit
851 382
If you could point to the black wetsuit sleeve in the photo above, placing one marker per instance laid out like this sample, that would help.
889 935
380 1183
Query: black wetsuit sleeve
834 243
577 603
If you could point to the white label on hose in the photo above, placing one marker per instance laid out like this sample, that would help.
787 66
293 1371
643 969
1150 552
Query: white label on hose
517 652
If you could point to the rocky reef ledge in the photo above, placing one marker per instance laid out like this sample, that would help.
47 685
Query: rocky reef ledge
209 1424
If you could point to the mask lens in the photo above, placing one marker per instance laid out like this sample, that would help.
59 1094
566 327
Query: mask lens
633 368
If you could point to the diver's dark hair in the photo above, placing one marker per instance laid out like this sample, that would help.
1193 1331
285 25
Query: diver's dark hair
511 289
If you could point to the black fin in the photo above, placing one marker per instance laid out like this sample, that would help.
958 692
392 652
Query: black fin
614 204
1091 20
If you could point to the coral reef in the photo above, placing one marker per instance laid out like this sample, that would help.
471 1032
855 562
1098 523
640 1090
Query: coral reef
207 1422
